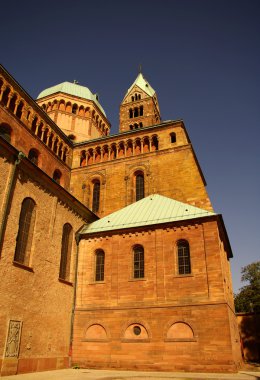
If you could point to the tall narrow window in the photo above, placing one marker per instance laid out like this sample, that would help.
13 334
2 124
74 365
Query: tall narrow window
139 186
173 137
138 261
184 266
100 265
25 232
96 196
66 246
74 108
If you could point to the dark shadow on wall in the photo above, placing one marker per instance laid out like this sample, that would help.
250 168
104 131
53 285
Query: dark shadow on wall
249 328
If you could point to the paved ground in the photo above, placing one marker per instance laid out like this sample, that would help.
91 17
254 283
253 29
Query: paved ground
91 374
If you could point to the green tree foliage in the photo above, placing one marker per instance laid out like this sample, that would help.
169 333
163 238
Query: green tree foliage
248 297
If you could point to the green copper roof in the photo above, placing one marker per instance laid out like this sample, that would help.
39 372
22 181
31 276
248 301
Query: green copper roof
143 84
72 89
154 209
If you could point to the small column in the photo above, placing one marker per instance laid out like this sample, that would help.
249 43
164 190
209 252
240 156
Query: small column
62 153
16 105
9 98
37 127
24 113
42 134
53 142
150 144
48 137
142 145
66 156
3 88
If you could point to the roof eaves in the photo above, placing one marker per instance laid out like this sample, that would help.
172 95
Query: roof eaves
176 222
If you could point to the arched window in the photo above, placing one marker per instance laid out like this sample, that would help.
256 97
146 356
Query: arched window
130 113
25 232
135 112
184 266
141 110
66 246
138 261
96 196
56 176
100 265
173 137
139 186
33 156
5 132
74 108
19 110
83 158
13 103
5 96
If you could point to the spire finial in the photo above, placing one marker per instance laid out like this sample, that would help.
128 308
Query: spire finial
140 68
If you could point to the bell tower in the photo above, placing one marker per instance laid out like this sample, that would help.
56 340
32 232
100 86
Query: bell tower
139 108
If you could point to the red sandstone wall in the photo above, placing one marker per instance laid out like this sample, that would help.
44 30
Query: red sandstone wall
155 303
33 294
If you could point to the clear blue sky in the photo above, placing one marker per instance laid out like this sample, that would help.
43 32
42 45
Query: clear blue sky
201 56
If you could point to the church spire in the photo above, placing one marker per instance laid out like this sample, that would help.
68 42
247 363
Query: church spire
139 107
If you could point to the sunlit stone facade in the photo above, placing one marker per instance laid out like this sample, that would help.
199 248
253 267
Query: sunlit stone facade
136 297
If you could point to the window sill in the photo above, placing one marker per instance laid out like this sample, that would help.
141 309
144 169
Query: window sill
97 282
22 266
183 275
137 279
65 282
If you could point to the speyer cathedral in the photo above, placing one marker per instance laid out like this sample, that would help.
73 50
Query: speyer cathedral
111 254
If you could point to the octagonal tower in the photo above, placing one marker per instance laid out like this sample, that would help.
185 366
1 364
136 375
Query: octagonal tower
76 110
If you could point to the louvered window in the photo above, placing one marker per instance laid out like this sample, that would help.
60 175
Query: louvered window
139 186
100 265
25 232
184 266
96 196
138 261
